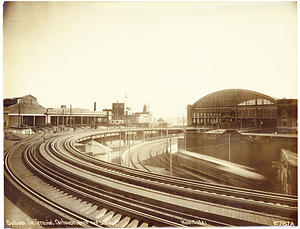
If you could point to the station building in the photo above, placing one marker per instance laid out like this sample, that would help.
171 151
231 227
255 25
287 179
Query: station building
244 110
23 111
26 112
76 116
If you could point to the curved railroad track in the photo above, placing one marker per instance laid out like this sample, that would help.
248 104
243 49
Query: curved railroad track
77 189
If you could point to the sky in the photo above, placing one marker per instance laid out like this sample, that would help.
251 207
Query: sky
164 54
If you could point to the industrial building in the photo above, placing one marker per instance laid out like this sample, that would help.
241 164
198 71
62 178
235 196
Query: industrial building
121 113
76 116
25 111
244 110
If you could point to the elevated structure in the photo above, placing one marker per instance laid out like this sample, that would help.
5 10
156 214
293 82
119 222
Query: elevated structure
244 110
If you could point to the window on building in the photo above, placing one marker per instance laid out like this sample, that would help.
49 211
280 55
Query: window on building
284 122
259 101
284 113
251 102
266 102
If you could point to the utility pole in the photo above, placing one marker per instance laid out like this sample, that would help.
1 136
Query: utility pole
120 155
184 138
129 144
117 110
70 115
92 145
197 122
19 113
161 130
143 133
167 137
241 120
229 147
57 119
170 157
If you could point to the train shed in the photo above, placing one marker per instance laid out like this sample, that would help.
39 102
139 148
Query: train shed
24 111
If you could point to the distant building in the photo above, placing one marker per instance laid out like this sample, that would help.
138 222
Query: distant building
287 116
163 123
23 111
244 110
121 114
144 118
76 116
26 112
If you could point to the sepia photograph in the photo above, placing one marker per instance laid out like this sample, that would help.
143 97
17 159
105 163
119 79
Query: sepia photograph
126 114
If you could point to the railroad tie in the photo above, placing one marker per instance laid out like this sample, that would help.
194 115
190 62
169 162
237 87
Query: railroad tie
106 217
114 220
122 223
86 207
55 194
99 214
67 200
63 196
134 223
144 224
90 210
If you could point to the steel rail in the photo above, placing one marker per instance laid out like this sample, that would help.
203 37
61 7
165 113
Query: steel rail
232 191
78 185
94 189
64 149
35 196
197 185
254 205
224 218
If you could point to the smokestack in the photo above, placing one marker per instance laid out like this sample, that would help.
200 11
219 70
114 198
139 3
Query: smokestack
94 106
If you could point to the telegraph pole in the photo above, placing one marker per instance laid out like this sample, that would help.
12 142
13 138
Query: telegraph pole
57 119
63 117
129 144
167 137
70 115
229 146
170 157
92 145
19 113
120 156
184 137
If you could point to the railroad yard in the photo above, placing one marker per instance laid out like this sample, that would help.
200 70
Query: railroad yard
53 184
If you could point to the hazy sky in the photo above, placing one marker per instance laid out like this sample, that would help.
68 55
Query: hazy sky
168 54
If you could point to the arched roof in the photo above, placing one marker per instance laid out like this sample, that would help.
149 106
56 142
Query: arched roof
234 97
